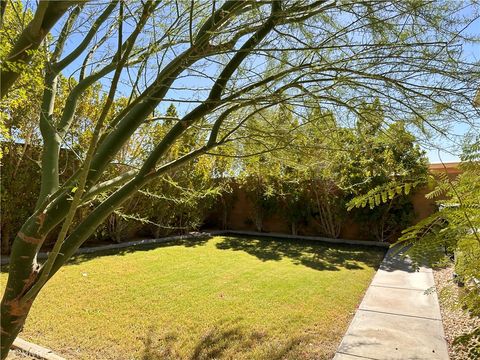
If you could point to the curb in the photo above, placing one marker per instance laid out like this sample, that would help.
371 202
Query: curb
37 351
301 237
5 260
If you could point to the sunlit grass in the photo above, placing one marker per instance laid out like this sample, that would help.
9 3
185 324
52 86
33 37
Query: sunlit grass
232 298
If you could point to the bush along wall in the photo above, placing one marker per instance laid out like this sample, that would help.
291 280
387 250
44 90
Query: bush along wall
291 188
313 209
175 204
20 185
186 201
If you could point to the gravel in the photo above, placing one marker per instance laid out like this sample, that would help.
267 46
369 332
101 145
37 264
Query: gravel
18 355
456 321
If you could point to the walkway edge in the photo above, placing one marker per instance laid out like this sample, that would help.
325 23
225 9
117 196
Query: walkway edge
386 325
34 350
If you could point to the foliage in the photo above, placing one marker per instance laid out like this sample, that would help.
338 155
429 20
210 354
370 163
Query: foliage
328 208
17 179
382 166
260 191
18 125
320 141
225 63
294 202
308 183
452 232
20 175
19 111
279 175
383 194
262 162
454 229
175 203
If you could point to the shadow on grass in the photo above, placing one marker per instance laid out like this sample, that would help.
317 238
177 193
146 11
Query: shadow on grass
189 242
310 253
78 259
224 339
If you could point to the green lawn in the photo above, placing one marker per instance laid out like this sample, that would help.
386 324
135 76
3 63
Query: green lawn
225 297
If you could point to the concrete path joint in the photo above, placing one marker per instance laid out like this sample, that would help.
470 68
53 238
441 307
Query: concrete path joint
397 318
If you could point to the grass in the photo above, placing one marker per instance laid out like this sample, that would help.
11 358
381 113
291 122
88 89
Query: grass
223 297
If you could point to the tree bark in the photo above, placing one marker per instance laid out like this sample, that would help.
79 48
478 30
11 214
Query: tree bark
22 274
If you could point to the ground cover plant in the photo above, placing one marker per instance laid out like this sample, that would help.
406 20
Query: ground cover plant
222 297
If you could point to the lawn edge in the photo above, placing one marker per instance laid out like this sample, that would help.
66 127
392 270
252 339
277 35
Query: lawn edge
301 237
5 260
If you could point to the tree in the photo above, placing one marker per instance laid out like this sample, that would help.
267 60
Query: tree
20 136
264 160
227 61
20 55
323 178
18 119
380 156
177 201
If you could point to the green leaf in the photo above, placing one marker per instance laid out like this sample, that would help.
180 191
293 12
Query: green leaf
408 187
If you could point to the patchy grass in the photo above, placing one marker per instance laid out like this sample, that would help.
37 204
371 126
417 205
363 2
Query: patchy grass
224 297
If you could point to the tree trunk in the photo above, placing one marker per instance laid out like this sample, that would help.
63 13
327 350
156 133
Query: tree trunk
23 271
258 222
14 314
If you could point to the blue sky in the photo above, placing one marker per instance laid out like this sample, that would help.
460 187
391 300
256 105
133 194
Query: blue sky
443 149
435 155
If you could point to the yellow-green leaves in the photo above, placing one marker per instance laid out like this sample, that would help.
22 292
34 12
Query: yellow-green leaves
383 193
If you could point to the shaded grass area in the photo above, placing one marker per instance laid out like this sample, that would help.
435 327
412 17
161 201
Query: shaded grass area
222 297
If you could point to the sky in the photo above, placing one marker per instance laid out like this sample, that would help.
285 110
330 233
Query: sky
444 150
436 155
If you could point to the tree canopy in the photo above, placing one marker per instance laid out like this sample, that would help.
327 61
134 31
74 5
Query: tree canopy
221 63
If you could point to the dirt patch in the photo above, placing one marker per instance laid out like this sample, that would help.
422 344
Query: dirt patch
456 321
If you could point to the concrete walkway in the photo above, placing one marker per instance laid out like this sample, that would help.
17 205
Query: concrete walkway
397 319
